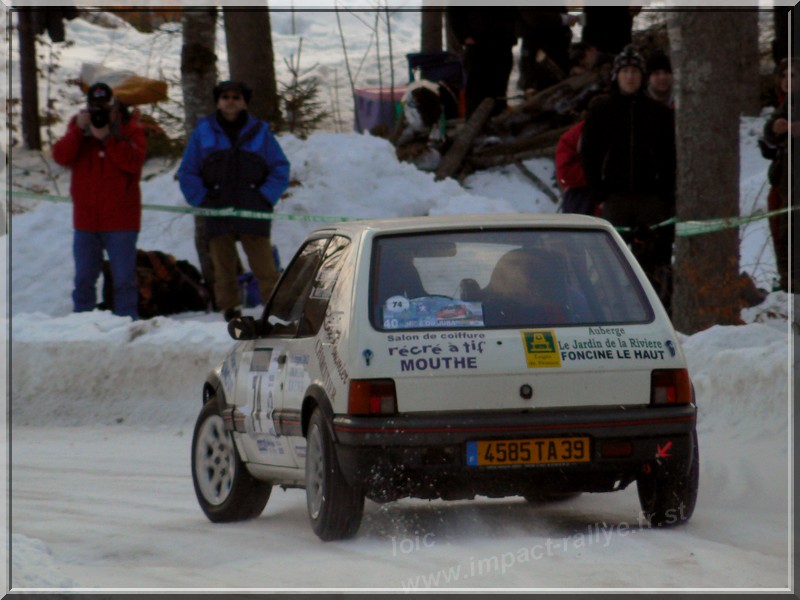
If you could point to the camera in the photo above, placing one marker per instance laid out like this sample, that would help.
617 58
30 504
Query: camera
99 116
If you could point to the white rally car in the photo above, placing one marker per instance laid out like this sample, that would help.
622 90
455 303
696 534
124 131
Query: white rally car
449 357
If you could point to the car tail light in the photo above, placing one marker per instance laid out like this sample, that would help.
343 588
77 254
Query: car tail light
372 397
616 449
670 386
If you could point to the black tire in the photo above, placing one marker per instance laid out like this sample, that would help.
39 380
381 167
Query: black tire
224 487
334 507
550 497
668 494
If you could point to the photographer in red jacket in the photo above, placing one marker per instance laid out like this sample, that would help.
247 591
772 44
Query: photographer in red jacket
105 148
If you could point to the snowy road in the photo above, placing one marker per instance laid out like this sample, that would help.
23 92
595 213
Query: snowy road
113 507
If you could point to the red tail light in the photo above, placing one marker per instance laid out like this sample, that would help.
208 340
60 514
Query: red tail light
670 386
372 397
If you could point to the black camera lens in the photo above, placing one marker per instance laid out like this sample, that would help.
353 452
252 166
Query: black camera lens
99 116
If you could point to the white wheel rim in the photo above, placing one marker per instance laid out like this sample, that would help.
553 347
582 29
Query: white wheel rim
214 461
315 473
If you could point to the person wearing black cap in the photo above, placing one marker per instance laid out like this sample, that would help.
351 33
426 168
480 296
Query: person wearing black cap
232 160
105 148
628 155
659 78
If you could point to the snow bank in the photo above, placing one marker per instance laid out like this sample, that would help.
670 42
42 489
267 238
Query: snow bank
96 368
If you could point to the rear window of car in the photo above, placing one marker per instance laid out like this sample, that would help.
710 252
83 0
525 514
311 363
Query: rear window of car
503 279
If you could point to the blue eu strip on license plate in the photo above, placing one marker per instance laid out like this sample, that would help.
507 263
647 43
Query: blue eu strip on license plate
472 454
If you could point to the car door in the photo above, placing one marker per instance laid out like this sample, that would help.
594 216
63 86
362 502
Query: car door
303 352
269 365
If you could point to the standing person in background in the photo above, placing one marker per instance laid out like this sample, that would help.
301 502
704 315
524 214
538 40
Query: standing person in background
779 131
659 78
569 172
487 34
608 28
232 160
548 30
628 155
105 148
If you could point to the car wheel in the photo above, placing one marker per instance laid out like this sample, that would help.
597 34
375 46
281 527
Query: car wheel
334 507
668 495
224 487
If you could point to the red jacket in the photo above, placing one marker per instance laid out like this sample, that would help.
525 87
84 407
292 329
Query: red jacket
569 169
105 176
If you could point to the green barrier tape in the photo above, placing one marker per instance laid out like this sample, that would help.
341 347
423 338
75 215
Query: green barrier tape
670 221
689 228
205 212
684 229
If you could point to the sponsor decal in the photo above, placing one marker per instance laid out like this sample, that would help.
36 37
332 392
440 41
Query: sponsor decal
429 311
437 351
541 349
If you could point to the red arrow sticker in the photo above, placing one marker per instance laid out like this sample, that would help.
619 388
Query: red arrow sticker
664 452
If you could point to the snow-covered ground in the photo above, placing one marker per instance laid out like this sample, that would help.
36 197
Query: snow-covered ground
102 411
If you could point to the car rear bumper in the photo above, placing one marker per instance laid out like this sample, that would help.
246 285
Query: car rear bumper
426 455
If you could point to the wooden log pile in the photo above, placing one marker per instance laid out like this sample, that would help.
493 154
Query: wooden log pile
527 130
531 128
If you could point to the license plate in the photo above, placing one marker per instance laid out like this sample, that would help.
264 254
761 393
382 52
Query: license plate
537 451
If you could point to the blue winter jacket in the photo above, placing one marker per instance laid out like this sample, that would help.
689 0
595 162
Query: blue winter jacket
250 174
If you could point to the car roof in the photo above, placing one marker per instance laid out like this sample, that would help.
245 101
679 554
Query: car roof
451 222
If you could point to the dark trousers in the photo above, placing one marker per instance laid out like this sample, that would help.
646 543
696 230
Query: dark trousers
488 69
88 249
579 200
652 246
258 249
779 228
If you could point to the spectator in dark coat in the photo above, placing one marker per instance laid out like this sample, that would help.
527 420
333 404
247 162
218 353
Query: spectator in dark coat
232 160
659 78
778 132
487 34
628 154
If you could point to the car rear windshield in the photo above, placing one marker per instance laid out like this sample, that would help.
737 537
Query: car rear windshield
503 279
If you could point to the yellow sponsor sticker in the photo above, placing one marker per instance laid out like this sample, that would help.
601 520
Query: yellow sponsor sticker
541 349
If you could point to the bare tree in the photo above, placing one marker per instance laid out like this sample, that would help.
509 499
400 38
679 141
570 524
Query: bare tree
707 138
198 65
431 27
28 80
749 79
198 77
248 35
452 44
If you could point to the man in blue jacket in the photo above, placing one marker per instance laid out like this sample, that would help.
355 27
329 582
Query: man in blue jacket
233 160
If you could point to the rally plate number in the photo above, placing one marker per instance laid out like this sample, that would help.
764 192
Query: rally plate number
537 451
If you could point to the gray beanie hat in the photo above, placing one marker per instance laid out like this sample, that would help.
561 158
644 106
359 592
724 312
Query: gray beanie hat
629 57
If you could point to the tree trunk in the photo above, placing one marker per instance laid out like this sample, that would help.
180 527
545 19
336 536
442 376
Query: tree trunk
198 65
749 79
248 35
28 81
707 139
431 28
451 41
198 77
